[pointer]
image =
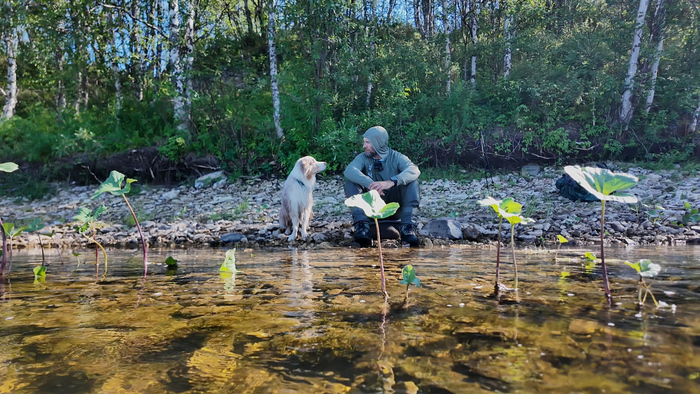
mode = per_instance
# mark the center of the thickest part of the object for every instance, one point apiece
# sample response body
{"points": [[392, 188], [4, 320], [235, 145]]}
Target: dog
{"points": [[297, 198]]}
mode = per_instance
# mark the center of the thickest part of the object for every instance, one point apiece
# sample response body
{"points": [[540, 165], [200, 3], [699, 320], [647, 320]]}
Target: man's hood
{"points": [[379, 139]]}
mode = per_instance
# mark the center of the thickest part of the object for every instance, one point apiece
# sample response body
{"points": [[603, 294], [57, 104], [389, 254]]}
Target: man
{"points": [[390, 173]]}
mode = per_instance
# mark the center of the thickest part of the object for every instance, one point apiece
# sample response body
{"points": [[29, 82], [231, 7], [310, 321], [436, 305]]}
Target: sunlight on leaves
{"points": [[8, 166], [373, 205], [645, 268], [602, 183], [562, 239], [229, 264]]}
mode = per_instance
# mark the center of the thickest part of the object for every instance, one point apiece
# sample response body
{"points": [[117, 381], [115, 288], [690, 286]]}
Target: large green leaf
{"points": [[602, 183], [113, 185], [229, 264], [12, 231], [8, 166], [373, 205], [515, 219], [645, 268], [409, 276], [503, 208], [85, 216]]}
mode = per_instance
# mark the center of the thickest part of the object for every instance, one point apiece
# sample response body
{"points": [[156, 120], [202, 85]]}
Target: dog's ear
{"points": [[307, 166]]}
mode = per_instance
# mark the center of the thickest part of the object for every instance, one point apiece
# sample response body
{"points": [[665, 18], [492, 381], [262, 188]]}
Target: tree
{"points": [[274, 84], [659, 25], [11, 40], [627, 109]]}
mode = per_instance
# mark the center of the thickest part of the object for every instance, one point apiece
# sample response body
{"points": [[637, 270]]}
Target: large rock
{"points": [[443, 228], [233, 237], [213, 178]]}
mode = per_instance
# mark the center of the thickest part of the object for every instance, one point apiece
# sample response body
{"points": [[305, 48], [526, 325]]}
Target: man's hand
{"points": [[381, 186]]}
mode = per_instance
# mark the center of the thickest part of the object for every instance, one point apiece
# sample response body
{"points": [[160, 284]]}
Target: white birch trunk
{"points": [[370, 86], [696, 118], [508, 35], [136, 37], [11, 44], [178, 77], [474, 29], [626, 109], [60, 56], [659, 17], [189, 58], [271, 23], [448, 49], [113, 59]]}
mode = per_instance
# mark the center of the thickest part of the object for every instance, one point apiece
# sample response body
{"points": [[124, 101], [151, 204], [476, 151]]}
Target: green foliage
{"points": [[408, 273], [229, 264], [602, 183], [691, 214], [86, 217], [645, 268], [171, 262], [8, 167], [373, 205], [113, 185]]}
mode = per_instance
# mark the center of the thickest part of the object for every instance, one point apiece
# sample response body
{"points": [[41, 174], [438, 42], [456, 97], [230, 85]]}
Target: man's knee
{"points": [[411, 194], [352, 189]]}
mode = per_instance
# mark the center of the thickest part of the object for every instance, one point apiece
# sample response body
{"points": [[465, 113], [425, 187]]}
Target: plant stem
{"points": [[512, 250], [143, 240], [381, 259], [602, 254], [557, 252], [104, 252], [4, 249], [43, 258], [498, 253]]}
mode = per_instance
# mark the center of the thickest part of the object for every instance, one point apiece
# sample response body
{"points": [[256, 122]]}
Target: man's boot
{"points": [[408, 234], [362, 233]]}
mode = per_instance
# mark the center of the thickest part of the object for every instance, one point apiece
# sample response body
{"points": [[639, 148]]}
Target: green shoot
{"points": [[228, 267], [113, 185], [409, 277], [171, 262], [645, 269], [602, 183], [374, 207], [39, 274], [5, 167], [561, 241], [86, 227]]}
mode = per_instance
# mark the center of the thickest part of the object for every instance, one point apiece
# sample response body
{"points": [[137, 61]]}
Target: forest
{"points": [[250, 86]]}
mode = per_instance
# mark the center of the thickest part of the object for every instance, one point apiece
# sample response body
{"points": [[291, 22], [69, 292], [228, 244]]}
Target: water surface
{"points": [[315, 322]]}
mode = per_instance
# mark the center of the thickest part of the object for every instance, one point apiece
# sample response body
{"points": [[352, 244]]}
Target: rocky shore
{"points": [[215, 212]]}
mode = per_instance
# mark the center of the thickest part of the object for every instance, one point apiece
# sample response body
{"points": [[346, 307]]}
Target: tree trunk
{"points": [[392, 4], [508, 35], [189, 60], [271, 22], [448, 49], [11, 44], [60, 56], [417, 19], [696, 118], [370, 78], [137, 55], [178, 77], [659, 21], [626, 109], [113, 53], [248, 17], [473, 27]]}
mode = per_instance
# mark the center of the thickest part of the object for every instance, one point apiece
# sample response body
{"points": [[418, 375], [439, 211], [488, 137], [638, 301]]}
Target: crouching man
{"points": [[392, 175]]}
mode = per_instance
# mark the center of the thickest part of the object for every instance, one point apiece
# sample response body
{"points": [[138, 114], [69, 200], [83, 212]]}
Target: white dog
{"points": [[297, 199]]}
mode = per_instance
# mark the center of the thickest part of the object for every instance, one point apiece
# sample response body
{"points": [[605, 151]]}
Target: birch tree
{"points": [[448, 49], [10, 93], [508, 36], [626, 109], [271, 25], [696, 118], [136, 51], [659, 27], [373, 22], [113, 16], [178, 77]]}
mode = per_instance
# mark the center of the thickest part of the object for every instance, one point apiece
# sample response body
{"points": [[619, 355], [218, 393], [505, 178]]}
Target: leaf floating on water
{"points": [[229, 264], [171, 262]]}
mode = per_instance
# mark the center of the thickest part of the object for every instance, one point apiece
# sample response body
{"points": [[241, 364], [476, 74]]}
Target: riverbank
{"points": [[217, 212]]}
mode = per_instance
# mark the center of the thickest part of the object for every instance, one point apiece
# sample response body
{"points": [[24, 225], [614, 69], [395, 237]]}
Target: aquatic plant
{"points": [[645, 269], [515, 218], [113, 185], [170, 262], [606, 186], [86, 220], [503, 208], [229, 264], [589, 260], [691, 214], [409, 277], [5, 167], [561, 240], [39, 273], [11, 231], [374, 207]]}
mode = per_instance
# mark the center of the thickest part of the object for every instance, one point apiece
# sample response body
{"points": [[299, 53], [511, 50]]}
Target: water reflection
{"points": [[315, 321]]}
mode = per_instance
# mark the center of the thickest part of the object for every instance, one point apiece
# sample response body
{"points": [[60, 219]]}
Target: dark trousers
{"points": [[408, 197]]}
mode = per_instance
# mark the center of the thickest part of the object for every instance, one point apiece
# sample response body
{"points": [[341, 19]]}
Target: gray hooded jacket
{"points": [[361, 172]]}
